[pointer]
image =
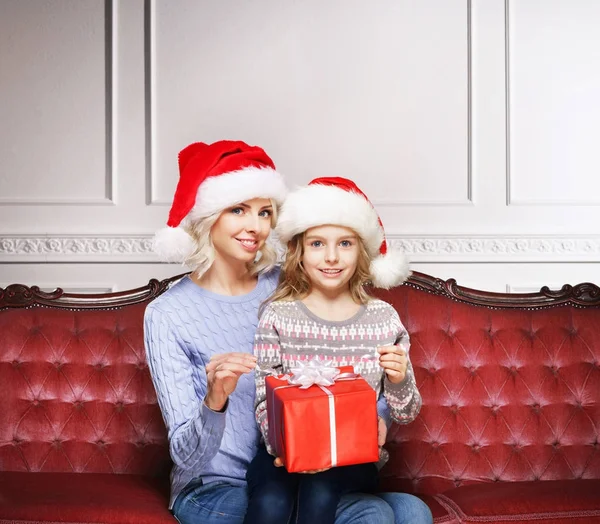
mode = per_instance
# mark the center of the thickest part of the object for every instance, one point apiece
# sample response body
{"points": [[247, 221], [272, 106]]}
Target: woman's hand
{"points": [[394, 362], [222, 375]]}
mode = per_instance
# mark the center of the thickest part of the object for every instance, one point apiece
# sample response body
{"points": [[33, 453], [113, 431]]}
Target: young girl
{"points": [[321, 310]]}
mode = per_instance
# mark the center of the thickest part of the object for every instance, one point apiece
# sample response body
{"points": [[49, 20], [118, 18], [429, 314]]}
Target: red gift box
{"points": [[322, 427]]}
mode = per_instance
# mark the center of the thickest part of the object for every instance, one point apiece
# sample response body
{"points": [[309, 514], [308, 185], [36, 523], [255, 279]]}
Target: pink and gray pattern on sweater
{"points": [[289, 332]]}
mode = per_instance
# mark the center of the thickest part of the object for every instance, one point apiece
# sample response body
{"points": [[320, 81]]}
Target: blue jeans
{"points": [[407, 509], [276, 496], [222, 503]]}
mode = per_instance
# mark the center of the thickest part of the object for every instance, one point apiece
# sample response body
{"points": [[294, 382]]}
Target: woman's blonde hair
{"points": [[203, 256], [294, 283]]}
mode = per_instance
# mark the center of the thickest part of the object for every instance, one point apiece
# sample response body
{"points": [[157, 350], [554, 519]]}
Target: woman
{"points": [[199, 334]]}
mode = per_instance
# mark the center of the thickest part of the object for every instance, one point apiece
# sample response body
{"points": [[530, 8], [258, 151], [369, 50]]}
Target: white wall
{"points": [[472, 126]]}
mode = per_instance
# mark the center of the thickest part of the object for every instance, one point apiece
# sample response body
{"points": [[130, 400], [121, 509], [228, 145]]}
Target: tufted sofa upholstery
{"points": [[81, 435], [508, 431], [510, 425]]}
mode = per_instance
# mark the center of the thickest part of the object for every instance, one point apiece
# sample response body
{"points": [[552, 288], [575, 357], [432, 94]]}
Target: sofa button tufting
{"points": [[119, 406], [16, 363], [16, 441]]}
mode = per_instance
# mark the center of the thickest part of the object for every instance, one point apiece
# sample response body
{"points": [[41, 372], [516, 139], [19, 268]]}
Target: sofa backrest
{"points": [[75, 390], [510, 386]]}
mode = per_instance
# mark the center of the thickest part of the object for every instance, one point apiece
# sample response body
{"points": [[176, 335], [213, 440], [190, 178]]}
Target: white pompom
{"points": [[173, 244], [390, 270]]}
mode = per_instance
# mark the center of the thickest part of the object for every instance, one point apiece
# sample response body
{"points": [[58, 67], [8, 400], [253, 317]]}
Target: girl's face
{"points": [[330, 257], [241, 230]]}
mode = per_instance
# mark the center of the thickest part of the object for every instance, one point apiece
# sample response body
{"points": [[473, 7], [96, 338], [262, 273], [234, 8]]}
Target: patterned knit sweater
{"points": [[288, 332]]}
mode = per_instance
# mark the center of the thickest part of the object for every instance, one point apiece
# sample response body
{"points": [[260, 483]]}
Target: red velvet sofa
{"points": [[509, 430]]}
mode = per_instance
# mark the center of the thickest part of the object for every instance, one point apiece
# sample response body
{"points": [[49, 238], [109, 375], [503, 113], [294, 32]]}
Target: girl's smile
{"points": [[330, 257]]}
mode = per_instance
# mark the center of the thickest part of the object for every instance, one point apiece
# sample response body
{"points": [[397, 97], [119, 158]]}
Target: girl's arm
{"points": [[195, 431], [403, 398], [267, 351]]}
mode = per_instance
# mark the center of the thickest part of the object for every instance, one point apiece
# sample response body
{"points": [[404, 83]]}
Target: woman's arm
{"points": [[194, 430], [267, 351], [383, 410]]}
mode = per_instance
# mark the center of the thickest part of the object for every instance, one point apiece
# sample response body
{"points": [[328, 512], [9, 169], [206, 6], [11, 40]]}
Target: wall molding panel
{"points": [[500, 248], [583, 199], [471, 143], [71, 248], [110, 97], [130, 248]]}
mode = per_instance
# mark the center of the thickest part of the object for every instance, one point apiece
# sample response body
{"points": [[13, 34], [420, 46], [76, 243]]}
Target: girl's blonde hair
{"points": [[294, 283], [203, 256]]}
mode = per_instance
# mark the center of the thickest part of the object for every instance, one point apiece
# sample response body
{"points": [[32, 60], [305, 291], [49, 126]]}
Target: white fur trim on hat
{"points": [[217, 193], [173, 244], [389, 270], [319, 205]]}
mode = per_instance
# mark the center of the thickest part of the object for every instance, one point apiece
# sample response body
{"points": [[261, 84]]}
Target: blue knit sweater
{"points": [[183, 328]]}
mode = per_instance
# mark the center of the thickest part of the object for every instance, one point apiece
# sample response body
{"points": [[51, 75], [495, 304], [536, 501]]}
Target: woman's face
{"points": [[240, 231]]}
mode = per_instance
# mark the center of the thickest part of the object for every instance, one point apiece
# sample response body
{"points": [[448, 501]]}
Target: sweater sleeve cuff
{"points": [[400, 386], [212, 417]]}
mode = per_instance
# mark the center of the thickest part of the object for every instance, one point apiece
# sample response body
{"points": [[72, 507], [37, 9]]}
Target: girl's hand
{"points": [[279, 463], [381, 432], [222, 375], [394, 362]]}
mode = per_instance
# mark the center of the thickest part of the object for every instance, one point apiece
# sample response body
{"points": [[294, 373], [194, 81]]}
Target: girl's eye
{"points": [[237, 210], [316, 243], [345, 243], [265, 213]]}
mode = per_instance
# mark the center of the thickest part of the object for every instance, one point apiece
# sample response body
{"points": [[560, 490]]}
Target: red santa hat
{"points": [[213, 177], [339, 201]]}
